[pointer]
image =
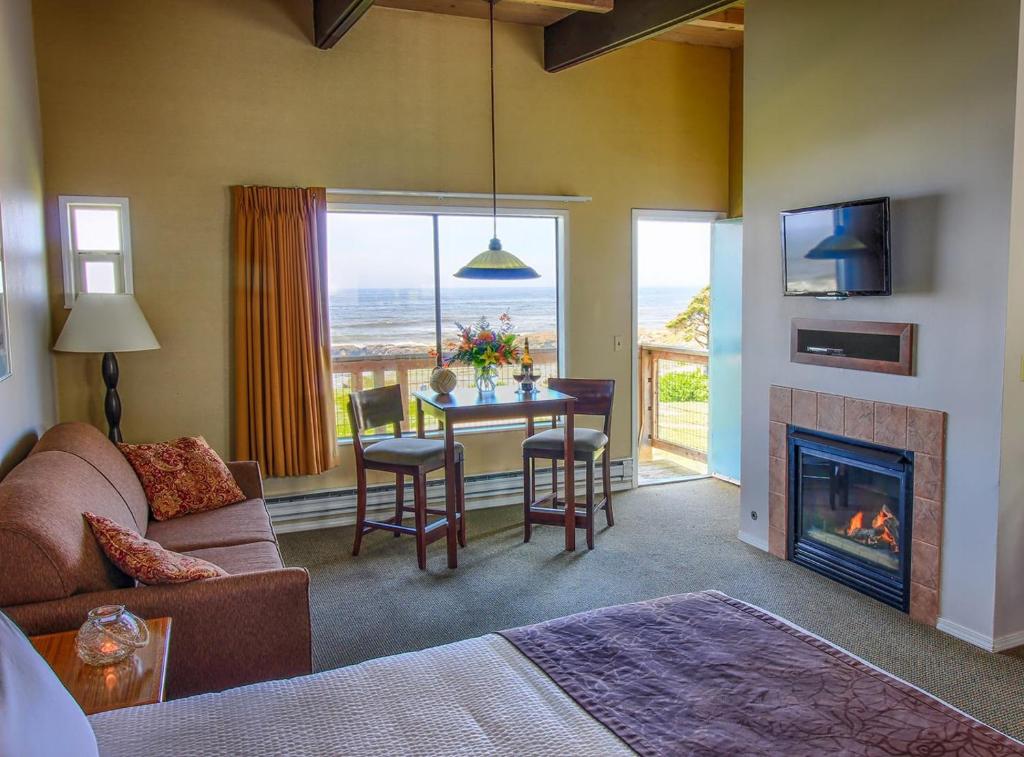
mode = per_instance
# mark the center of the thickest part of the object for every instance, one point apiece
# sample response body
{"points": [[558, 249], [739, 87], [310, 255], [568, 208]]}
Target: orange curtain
{"points": [[284, 399]]}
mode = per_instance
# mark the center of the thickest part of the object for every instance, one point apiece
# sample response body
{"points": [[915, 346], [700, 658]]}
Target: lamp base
{"points": [[112, 402]]}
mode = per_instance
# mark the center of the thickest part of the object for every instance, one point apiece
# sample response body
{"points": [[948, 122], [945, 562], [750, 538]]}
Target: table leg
{"points": [[450, 505], [420, 431], [570, 478]]}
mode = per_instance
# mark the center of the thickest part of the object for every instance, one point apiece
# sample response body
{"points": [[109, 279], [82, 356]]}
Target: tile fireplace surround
{"points": [[921, 431]]}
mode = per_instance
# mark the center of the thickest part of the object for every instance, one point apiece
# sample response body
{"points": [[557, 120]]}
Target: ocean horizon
{"points": [[405, 317]]}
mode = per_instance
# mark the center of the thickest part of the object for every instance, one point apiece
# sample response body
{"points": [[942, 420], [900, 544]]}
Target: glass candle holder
{"points": [[109, 635]]}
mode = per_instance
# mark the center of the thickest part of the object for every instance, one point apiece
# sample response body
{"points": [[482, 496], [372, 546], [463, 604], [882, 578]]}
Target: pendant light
{"points": [[840, 244], [494, 262]]}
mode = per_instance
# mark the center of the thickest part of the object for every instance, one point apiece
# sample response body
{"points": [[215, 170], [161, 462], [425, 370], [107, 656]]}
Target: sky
{"points": [[673, 254], [396, 251]]}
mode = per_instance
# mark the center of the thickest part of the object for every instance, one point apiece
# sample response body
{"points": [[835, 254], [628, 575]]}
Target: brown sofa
{"points": [[250, 626]]}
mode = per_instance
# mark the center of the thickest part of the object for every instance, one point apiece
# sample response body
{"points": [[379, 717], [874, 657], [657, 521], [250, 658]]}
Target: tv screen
{"points": [[837, 250]]}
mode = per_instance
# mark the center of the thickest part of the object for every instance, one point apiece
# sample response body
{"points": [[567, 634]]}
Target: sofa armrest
{"points": [[248, 477], [225, 632]]}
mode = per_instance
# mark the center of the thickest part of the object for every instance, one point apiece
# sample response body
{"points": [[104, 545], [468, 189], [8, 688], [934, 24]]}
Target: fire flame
{"points": [[856, 524], [884, 528]]}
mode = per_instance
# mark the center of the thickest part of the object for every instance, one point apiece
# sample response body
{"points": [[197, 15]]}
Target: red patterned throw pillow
{"points": [[144, 559], [181, 477]]}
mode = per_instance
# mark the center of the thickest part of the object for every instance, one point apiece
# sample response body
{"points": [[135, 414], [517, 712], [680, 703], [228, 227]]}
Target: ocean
{"points": [[374, 317]]}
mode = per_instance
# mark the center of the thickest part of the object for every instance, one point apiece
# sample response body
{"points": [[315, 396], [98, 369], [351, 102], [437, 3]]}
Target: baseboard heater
{"points": [[337, 507]]}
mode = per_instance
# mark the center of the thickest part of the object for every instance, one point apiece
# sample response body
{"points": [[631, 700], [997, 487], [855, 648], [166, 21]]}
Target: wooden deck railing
{"points": [[676, 425], [410, 372]]}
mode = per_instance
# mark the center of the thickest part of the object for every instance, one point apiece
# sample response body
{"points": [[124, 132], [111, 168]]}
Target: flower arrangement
{"points": [[485, 348], [481, 345]]}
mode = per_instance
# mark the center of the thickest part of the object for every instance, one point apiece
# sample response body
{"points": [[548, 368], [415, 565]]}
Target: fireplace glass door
{"points": [[850, 506], [851, 509]]}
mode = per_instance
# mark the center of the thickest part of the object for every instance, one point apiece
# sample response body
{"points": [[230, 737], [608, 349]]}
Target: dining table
{"points": [[469, 405]]}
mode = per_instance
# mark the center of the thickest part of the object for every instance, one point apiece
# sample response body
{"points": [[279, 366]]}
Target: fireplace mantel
{"points": [[916, 429]]}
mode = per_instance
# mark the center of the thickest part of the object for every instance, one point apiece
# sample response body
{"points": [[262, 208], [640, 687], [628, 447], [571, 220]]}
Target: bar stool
{"points": [[593, 397], [403, 456]]}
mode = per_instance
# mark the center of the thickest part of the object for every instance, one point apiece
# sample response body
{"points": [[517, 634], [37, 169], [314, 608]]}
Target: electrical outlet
{"points": [[618, 345]]}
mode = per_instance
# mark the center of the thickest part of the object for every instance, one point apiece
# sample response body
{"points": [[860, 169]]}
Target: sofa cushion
{"points": [[243, 558], [37, 714], [47, 550], [145, 560], [182, 476], [240, 523], [91, 445]]}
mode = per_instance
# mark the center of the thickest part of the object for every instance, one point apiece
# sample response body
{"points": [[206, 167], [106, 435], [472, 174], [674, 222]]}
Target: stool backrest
{"points": [[373, 408], [593, 396]]}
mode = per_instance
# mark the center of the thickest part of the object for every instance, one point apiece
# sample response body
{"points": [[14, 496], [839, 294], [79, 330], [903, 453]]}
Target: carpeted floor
{"points": [[667, 539]]}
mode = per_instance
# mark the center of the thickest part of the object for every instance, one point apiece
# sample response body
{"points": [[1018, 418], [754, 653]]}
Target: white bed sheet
{"points": [[479, 696]]}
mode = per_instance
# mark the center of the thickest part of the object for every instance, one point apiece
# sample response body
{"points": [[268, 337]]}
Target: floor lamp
{"points": [[107, 323]]}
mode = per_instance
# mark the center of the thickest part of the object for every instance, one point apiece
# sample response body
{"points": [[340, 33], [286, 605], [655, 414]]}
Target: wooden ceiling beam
{"points": [[586, 6], [584, 36], [333, 18], [731, 19]]}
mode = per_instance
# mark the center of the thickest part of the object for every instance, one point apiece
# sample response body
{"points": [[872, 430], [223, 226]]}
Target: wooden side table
{"points": [[137, 680]]}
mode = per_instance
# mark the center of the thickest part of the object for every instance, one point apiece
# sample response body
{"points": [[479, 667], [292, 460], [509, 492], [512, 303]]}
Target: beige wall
{"points": [[862, 98], [736, 133], [170, 103], [26, 398]]}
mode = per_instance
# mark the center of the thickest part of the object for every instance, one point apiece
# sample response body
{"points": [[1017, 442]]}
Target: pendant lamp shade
{"points": [[494, 262], [837, 246]]}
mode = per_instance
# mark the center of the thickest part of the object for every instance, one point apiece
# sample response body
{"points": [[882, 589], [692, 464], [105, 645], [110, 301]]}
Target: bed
{"points": [[693, 674]]}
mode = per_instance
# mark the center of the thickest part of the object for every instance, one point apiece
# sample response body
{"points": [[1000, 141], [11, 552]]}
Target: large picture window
{"points": [[394, 299]]}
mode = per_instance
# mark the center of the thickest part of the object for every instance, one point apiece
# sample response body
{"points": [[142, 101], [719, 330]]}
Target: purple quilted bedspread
{"points": [[705, 674]]}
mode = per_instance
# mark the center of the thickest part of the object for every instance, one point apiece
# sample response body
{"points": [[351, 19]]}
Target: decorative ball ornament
{"points": [[443, 380]]}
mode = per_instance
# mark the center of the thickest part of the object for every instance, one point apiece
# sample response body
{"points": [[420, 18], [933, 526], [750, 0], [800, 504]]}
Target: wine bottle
{"points": [[527, 360]]}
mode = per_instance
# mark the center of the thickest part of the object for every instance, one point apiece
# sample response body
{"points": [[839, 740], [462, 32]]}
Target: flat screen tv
{"points": [[837, 251]]}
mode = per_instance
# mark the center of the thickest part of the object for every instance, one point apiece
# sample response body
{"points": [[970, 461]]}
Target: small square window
{"points": [[97, 229], [96, 246], [100, 277]]}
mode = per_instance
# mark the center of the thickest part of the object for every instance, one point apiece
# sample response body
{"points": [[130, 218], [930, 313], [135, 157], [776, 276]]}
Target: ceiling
{"points": [[723, 28]]}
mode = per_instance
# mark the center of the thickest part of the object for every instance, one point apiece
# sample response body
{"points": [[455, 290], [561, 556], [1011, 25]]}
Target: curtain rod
{"points": [[457, 195]]}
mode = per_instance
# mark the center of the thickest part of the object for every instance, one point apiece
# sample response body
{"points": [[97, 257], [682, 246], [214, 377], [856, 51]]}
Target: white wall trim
{"points": [[442, 195], [753, 541], [1008, 641], [969, 635], [648, 214], [327, 509]]}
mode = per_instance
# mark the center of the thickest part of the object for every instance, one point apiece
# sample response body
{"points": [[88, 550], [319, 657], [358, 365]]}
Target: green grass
{"points": [[684, 423], [683, 386]]}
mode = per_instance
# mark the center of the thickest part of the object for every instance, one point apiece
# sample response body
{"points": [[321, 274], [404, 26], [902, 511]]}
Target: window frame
{"points": [[73, 260], [561, 217]]}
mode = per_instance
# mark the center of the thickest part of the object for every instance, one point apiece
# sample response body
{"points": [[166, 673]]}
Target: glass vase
{"points": [[109, 635], [486, 378]]}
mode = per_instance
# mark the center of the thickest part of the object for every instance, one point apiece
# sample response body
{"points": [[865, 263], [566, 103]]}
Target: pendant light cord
{"points": [[494, 149]]}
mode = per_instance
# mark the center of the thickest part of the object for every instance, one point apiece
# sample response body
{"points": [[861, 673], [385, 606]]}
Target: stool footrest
{"points": [[549, 516]]}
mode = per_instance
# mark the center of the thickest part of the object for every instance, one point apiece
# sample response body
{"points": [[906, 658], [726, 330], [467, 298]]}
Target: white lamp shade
{"points": [[106, 323]]}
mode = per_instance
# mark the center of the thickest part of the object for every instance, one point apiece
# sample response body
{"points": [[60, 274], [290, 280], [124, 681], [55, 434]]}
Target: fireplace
{"points": [[850, 508]]}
